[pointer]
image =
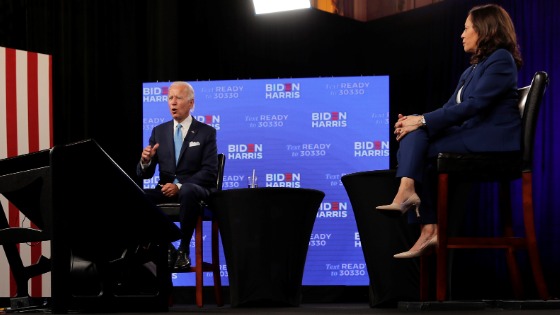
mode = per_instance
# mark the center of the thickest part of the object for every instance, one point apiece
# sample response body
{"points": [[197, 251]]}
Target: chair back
{"points": [[530, 98], [207, 213]]}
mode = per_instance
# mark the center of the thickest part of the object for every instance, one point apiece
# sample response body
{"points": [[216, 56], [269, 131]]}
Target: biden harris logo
{"points": [[154, 94], [251, 151], [212, 120], [371, 148], [292, 180], [333, 209], [328, 119], [279, 91]]}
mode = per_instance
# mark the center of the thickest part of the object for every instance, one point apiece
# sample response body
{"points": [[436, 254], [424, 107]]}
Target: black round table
{"points": [[265, 236], [383, 234]]}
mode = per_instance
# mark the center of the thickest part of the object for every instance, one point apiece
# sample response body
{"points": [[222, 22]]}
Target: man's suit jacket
{"points": [[488, 117], [198, 160]]}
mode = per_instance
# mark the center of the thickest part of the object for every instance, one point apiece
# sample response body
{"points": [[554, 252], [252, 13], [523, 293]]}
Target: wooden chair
{"points": [[201, 266], [493, 167]]}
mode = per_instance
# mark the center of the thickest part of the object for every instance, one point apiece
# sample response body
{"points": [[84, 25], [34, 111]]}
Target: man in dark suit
{"points": [[186, 152]]}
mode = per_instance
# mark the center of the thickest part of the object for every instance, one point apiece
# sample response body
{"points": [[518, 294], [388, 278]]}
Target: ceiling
{"points": [[367, 10]]}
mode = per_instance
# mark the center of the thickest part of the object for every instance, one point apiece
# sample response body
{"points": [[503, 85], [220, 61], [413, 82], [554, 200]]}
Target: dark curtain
{"points": [[538, 30], [103, 51]]}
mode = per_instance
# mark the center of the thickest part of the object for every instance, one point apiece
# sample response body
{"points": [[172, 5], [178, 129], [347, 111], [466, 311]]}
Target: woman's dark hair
{"points": [[495, 30]]}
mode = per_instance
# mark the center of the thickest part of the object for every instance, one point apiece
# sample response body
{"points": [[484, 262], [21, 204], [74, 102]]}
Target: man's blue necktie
{"points": [[178, 142]]}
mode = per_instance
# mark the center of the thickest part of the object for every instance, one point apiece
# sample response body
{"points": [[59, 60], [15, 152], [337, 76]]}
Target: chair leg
{"points": [[216, 264], [441, 249], [532, 249], [506, 214], [199, 259]]}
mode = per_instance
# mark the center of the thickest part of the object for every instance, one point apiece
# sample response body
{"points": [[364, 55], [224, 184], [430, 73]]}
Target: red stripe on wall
{"points": [[11, 103], [33, 102]]}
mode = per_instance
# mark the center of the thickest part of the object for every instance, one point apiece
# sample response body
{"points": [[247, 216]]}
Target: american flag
{"points": [[25, 126]]}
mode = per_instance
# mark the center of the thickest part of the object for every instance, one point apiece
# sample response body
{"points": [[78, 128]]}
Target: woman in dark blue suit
{"points": [[480, 116]]}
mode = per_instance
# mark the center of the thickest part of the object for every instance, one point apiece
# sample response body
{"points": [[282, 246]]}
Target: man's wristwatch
{"points": [[423, 121]]}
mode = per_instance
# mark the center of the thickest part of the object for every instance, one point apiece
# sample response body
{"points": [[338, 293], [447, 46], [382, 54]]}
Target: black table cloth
{"points": [[265, 236]]}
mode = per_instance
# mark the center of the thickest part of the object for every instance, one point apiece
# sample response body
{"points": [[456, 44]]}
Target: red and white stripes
{"points": [[25, 126]]}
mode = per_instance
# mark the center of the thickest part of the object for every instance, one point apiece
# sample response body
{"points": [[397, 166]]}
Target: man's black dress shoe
{"points": [[171, 256], [183, 261]]}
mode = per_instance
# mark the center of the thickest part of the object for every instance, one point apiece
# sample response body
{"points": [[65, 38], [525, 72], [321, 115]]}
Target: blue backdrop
{"points": [[296, 132]]}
